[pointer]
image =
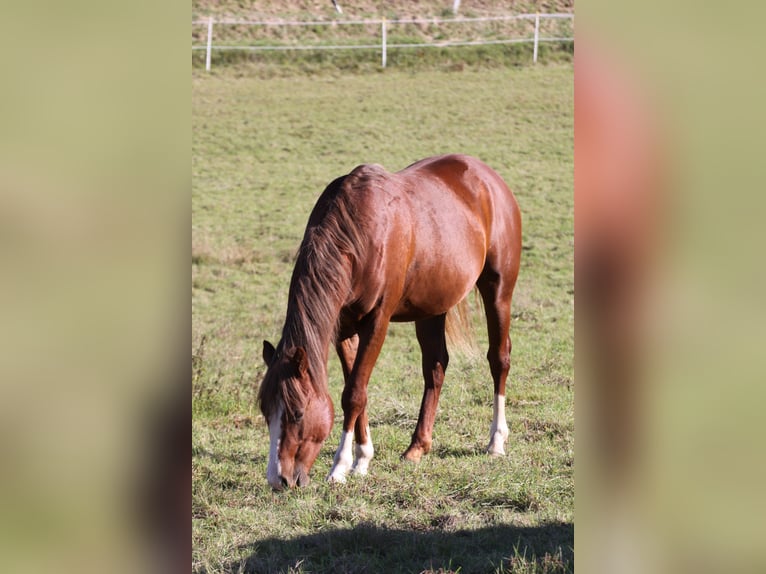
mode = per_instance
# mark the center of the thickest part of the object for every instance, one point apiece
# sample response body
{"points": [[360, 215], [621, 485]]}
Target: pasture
{"points": [[263, 149]]}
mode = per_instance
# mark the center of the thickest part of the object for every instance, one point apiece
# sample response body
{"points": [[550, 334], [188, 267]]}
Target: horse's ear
{"points": [[268, 352], [301, 361]]}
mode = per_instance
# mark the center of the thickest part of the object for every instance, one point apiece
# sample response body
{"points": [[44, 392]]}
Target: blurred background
{"points": [[669, 316], [94, 248]]}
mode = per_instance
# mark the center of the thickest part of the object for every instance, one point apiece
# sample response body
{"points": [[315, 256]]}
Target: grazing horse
{"points": [[381, 247]]}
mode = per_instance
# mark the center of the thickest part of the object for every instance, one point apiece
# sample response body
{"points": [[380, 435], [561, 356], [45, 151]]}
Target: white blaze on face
{"points": [[274, 470]]}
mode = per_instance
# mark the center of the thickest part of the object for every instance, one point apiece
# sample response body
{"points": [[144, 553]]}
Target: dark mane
{"points": [[332, 247]]}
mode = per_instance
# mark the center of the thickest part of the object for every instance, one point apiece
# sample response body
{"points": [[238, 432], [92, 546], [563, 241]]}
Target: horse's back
{"points": [[477, 187], [445, 178], [465, 176]]}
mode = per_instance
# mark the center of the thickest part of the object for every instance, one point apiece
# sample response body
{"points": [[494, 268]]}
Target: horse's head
{"points": [[299, 416]]}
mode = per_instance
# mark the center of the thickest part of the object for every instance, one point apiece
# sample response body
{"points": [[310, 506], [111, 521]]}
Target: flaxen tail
{"points": [[459, 327]]}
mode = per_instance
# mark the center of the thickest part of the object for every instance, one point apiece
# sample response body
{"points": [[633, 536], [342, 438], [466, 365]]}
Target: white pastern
{"points": [[343, 458], [274, 469], [364, 454], [498, 432]]}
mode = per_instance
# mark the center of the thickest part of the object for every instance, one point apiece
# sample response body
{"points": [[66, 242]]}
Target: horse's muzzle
{"points": [[301, 478]]}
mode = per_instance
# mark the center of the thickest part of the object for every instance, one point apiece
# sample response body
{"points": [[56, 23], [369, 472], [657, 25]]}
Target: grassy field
{"points": [[262, 152]]}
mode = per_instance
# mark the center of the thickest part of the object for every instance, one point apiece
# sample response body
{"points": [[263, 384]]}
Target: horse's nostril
{"points": [[284, 481]]}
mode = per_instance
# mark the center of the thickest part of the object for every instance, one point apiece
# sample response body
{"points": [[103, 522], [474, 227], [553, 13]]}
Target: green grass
{"points": [[313, 62], [262, 151]]}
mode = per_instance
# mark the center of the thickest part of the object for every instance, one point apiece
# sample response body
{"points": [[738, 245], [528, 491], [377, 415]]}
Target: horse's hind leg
{"points": [[496, 292], [430, 333]]}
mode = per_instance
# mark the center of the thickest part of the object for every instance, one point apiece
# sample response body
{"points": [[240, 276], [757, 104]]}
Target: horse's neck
{"points": [[320, 284], [311, 323]]}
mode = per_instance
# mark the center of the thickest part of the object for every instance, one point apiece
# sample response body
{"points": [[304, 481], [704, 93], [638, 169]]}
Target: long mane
{"points": [[333, 246]]}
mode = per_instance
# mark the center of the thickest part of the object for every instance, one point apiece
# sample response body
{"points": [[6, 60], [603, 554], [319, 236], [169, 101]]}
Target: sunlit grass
{"points": [[262, 151]]}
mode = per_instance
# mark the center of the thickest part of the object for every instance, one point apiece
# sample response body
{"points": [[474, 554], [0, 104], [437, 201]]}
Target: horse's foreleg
{"points": [[363, 451], [430, 333], [362, 454], [358, 355]]}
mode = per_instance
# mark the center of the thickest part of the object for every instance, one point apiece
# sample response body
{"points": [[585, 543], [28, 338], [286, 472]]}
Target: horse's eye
{"points": [[298, 417]]}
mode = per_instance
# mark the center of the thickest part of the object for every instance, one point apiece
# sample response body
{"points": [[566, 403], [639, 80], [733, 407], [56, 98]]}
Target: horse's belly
{"points": [[434, 291], [413, 309]]}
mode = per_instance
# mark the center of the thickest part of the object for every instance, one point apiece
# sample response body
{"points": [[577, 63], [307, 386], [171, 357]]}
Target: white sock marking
{"points": [[274, 469], [364, 454], [343, 458], [498, 432]]}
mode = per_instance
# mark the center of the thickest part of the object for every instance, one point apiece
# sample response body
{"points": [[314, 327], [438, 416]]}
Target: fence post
{"points": [[209, 42], [383, 44], [455, 7], [537, 37]]}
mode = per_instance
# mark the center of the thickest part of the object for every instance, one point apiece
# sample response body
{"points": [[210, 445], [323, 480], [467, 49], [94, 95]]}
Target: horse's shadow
{"points": [[369, 548]]}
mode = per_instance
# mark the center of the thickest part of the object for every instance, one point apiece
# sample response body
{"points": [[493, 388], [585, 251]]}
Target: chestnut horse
{"points": [[381, 247]]}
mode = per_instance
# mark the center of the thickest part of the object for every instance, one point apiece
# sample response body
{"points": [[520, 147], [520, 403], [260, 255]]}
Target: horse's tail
{"points": [[459, 327]]}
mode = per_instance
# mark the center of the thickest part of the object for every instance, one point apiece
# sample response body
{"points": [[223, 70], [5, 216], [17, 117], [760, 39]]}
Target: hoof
{"points": [[414, 454], [336, 478], [496, 446], [495, 451]]}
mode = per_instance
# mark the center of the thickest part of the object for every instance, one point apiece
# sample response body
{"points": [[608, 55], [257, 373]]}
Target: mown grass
{"points": [[328, 62], [262, 151]]}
